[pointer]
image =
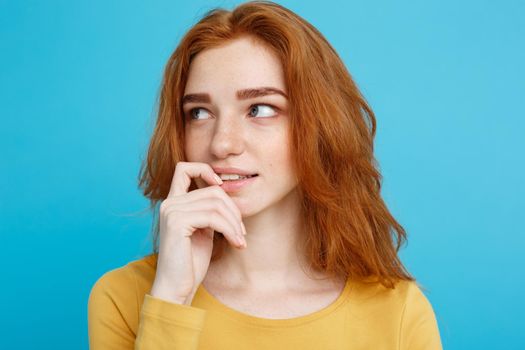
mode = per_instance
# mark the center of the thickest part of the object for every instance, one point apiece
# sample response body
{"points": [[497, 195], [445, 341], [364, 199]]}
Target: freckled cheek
{"points": [[194, 148]]}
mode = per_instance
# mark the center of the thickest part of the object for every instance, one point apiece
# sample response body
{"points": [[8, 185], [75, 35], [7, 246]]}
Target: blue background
{"points": [[79, 82]]}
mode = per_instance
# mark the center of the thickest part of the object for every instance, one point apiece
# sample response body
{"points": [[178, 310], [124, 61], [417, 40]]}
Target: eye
{"points": [[262, 111], [196, 113]]}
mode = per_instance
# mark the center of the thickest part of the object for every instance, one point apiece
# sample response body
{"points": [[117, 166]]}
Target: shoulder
{"points": [[405, 305], [122, 289], [404, 293], [135, 275], [416, 302], [403, 313], [418, 327]]}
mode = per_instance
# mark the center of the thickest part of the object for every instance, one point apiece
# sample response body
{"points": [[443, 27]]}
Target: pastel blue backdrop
{"points": [[78, 86]]}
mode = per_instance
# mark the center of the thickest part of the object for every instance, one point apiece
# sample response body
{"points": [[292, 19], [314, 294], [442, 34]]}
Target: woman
{"points": [[272, 233]]}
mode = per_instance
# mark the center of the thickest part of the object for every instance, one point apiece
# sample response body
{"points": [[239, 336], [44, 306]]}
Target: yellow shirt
{"points": [[122, 315]]}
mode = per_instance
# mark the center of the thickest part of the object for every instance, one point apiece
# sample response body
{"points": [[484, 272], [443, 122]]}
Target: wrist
{"points": [[167, 294]]}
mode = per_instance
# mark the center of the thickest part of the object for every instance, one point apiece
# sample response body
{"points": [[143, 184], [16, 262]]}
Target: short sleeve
{"points": [[419, 329]]}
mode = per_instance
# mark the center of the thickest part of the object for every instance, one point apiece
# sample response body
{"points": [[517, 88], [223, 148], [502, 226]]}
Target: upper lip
{"points": [[219, 170]]}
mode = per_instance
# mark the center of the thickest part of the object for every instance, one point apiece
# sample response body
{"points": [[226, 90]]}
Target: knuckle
{"points": [[166, 206], [213, 216], [226, 201], [216, 212], [180, 166]]}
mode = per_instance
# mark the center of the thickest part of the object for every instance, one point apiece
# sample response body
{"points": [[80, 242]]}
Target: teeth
{"points": [[232, 177]]}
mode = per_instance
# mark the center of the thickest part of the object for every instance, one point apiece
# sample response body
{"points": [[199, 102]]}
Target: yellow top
{"points": [[122, 315]]}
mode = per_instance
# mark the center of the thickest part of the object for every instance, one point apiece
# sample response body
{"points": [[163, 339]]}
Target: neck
{"points": [[274, 257]]}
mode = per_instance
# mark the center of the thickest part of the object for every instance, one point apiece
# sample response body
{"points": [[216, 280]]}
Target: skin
{"points": [[252, 134], [227, 134]]}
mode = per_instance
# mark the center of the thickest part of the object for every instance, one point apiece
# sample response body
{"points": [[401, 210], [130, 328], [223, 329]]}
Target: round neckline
{"points": [[274, 322]]}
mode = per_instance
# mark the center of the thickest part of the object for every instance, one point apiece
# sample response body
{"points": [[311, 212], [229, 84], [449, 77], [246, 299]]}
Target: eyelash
{"points": [[190, 112]]}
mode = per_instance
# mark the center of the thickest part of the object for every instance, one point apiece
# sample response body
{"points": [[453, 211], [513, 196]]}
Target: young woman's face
{"points": [[236, 116]]}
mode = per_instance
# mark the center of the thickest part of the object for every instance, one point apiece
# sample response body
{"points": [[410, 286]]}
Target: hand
{"points": [[187, 224]]}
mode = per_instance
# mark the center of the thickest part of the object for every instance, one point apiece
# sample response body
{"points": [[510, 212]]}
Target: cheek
{"points": [[193, 152], [279, 162], [192, 148], [286, 162]]}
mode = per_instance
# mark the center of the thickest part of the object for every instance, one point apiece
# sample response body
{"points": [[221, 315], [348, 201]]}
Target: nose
{"points": [[228, 137]]}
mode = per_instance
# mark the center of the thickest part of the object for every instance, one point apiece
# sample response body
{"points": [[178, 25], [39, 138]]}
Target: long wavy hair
{"points": [[348, 230]]}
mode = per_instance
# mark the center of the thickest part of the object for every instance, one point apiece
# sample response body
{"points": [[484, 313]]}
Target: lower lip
{"points": [[235, 185]]}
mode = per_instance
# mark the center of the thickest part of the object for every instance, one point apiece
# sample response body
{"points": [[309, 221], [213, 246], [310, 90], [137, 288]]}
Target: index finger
{"points": [[185, 171]]}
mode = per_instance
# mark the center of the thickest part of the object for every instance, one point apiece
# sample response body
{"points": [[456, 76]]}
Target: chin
{"points": [[247, 207], [243, 206]]}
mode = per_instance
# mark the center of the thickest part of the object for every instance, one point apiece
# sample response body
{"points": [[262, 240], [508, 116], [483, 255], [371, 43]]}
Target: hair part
{"points": [[348, 229]]}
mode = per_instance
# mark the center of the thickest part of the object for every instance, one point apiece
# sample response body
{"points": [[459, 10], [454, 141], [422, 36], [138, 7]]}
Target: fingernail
{"points": [[243, 228], [219, 180], [241, 241]]}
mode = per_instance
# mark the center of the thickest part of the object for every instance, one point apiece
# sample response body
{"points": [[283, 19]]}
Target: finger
{"points": [[185, 171], [215, 192], [215, 220], [214, 204]]}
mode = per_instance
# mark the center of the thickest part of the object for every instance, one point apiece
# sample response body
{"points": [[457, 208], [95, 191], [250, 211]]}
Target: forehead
{"points": [[238, 64]]}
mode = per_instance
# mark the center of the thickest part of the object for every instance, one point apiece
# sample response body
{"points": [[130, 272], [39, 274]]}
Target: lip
{"points": [[219, 170], [236, 185]]}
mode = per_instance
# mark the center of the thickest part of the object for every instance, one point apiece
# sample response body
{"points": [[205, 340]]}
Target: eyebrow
{"points": [[241, 95]]}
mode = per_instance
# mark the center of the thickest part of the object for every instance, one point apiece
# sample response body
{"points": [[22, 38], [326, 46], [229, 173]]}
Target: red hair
{"points": [[348, 230]]}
